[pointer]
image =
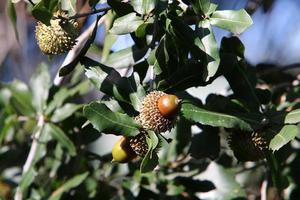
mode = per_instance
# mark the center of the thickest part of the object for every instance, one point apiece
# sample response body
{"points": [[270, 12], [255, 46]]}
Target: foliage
{"points": [[174, 49]]}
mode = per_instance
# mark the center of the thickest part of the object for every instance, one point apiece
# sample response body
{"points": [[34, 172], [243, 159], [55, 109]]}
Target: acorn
{"points": [[59, 37], [158, 111], [122, 152], [139, 144], [248, 146]]}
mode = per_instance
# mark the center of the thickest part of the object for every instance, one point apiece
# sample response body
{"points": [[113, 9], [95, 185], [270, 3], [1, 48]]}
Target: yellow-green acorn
{"points": [[59, 37], [122, 152], [157, 113], [248, 146]]}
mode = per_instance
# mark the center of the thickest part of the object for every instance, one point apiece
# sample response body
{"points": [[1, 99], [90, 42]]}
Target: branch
{"points": [[32, 154], [75, 50], [89, 13]]}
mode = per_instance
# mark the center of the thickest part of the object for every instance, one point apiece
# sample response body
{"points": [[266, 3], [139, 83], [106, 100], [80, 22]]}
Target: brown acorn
{"points": [[248, 146], [59, 37], [139, 144], [158, 115]]}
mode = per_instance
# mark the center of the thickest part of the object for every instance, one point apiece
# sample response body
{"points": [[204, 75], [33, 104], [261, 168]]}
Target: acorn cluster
{"points": [[248, 146], [58, 37], [158, 113]]}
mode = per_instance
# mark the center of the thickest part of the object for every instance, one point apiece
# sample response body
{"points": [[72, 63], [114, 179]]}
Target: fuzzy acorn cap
{"points": [[150, 116], [139, 144], [59, 37], [248, 146]]}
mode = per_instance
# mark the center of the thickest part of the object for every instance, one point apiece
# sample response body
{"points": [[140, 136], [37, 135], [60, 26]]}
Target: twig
{"points": [[30, 1], [75, 50], [89, 13], [32, 154]]}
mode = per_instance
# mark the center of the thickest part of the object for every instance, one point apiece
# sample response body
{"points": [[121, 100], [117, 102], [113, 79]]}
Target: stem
{"points": [[79, 15], [32, 154], [30, 1]]}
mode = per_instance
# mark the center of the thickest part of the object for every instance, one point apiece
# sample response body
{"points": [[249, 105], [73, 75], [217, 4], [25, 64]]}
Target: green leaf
{"points": [[43, 10], [67, 186], [61, 137], [143, 6], [109, 40], [215, 119], [64, 93], [125, 57], [126, 24], [105, 120], [27, 179], [210, 47], [11, 11], [69, 5], [109, 81], [150, 160], [21, 98], [40, 85], [292, 117], [64, 112], [235, 21], [201, 6], [286, 134]]}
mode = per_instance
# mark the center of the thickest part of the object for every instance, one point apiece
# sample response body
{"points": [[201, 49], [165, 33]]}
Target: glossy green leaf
{"points": [[210, 47], [292, 117], [215, 119], [126, 57], [108, 121], [143, 6], [235, 21], [126, 24], [201, 6], [58, 134], [150, 160], [64, 112], [109, 81], [43, 10], [286, 134], [40, 85], [67, 186]]}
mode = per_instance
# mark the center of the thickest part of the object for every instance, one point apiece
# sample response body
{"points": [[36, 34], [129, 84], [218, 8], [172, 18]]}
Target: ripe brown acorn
{"points": [[58, 37], [122, 152], [168, 105], [248, 146], [158, 111]]}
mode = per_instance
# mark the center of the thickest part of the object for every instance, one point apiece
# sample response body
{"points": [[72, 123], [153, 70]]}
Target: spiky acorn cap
{"points": [[248, 146], [59, 37], [150, 116], [139, 144]]}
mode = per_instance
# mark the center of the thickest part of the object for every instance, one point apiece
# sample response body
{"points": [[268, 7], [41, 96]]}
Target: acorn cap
{"points": [[139, 144], [59, 37], [150, 116], [248, 146]]}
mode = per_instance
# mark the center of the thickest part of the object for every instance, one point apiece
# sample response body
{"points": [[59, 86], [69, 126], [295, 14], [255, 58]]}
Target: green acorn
{"points": [[139, 144], [59, 37], [154, 113], [248, 146]]}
